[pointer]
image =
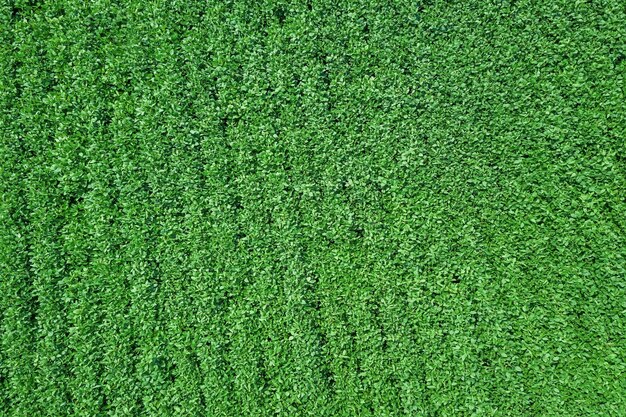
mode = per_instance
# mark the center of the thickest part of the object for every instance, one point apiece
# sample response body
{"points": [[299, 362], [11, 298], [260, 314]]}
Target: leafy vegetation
{"points": [[312, 208]]}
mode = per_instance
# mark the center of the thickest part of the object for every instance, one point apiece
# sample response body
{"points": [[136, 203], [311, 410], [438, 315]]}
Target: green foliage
{"points": [[312, 208]]}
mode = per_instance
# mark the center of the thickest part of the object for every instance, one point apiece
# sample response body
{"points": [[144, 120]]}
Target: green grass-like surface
{"points": [[312, 208]]}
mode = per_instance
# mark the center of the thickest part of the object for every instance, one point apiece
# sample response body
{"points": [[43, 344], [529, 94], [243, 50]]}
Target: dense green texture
{"points": [[313, 208]]}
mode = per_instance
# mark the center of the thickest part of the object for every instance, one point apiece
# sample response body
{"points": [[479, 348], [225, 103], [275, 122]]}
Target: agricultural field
{"points": [[312, 208]]}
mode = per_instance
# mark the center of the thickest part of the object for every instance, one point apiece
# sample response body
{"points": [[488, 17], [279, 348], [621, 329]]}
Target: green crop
{"points": [[312, 208]]}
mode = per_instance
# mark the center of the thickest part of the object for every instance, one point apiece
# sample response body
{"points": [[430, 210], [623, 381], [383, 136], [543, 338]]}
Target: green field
{"points": [[312, 208]]}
